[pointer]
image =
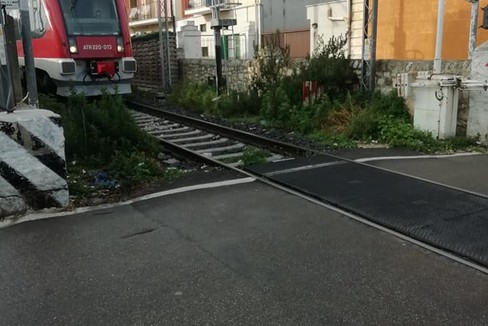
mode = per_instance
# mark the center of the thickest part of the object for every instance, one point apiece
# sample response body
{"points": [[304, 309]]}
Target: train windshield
{"points": [[90, 17]]}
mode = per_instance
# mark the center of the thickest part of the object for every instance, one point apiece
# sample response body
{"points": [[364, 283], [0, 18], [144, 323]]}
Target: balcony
{"points": [[144, 14], [202, 7]]}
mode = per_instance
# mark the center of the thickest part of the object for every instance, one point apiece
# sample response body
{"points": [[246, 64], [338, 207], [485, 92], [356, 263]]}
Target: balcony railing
{"points": [[202, 6], [146, 11], [143, 12]]}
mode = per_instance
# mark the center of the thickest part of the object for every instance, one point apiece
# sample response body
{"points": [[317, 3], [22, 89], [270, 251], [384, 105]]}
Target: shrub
{"points": [[272, 63], [276, 108], [399, 133], [389, 105], [330, 67], [101, 135], [238, 105], [195, 97]]}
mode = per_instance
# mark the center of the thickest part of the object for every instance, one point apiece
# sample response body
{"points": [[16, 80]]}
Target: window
{"points": [[203, 27], [231, 46], [205, 51], [90, 17], [38, 20]]}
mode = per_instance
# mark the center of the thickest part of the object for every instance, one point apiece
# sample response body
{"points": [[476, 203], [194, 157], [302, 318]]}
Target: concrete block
{"points": [[32, 162]]}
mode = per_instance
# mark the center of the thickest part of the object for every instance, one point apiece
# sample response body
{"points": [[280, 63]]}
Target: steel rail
{"points": [[239, 135]]}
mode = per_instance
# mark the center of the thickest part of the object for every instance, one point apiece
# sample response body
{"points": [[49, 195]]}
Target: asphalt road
{"points": [[239, 255], [465, 172]]}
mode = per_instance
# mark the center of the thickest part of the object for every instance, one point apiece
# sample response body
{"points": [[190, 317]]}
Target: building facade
{"points": [[407, 29], [196, 36], [143, 15]]}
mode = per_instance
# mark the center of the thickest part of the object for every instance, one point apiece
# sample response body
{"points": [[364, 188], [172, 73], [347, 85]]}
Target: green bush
{"points": [[389, 104], [95, 130], [134, 167], [399, 133], [195, 97], [100, 135], [237, 105], [364, 126], [330, 67], [276, 108], [271, 64]]}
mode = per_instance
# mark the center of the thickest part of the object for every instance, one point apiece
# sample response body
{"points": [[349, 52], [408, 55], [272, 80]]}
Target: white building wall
{"points": [[245, 14], [189, 38], [357, 29], [478, 100], [327, 20]]}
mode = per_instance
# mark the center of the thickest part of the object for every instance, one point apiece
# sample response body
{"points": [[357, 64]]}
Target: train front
{"points": [[99, 46]]}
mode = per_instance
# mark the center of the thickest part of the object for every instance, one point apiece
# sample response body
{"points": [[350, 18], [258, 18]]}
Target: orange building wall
{"points": [[407, 29]]}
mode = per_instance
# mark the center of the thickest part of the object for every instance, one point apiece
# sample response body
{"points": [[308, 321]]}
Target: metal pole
{"points": [[218, 46], [438, 43], [30, 69], [473, 27], [365, 46], [161, 48], [374, 32], [12, 55], [258, 22], [173, 19], [6, 99], [168, 53]]}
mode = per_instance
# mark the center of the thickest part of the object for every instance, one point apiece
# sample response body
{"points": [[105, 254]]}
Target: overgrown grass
{"points": [[101, 139], [253, 155], [339, 116]]}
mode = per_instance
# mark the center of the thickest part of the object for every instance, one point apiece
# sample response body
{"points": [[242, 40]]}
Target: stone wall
{"points": [[147, 53], [236, 72], [387, 70]]}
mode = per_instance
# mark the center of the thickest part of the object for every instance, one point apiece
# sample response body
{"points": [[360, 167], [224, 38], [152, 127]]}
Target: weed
{"points": [[398, 133], [333, 141], [101, 135], [253, 155], [272, 63]]}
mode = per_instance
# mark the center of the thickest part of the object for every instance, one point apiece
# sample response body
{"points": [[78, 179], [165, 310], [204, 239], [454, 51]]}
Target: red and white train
{"points": [[82, 45]]}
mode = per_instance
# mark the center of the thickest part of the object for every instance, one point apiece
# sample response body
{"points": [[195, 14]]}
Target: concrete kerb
{"points": [[33, 172]]}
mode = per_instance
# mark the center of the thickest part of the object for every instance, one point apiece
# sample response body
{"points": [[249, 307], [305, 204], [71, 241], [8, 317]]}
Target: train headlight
{"points": [[120, 44], [72, 46]]}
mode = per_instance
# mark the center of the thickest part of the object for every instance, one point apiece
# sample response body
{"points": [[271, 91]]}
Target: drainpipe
{"points": [[259, 27], [349, 27], [438, 43], [473, 27]]}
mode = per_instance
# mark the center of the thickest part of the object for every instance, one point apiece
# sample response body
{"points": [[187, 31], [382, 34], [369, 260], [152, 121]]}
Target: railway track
{"points": [[206, 141]]}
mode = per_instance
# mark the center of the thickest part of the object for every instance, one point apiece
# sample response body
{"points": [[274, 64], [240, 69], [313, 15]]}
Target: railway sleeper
{"points": [[239, 147], [203, 145], [196, 139], [179, 135]]}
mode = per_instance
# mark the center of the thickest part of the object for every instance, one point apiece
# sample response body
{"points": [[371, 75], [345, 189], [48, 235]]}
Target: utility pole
{"points": [[374, 33], [438, 40], [473, 27], [30, 69], [368, 56], [217, 27], [161, 48], [168, 53]]}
